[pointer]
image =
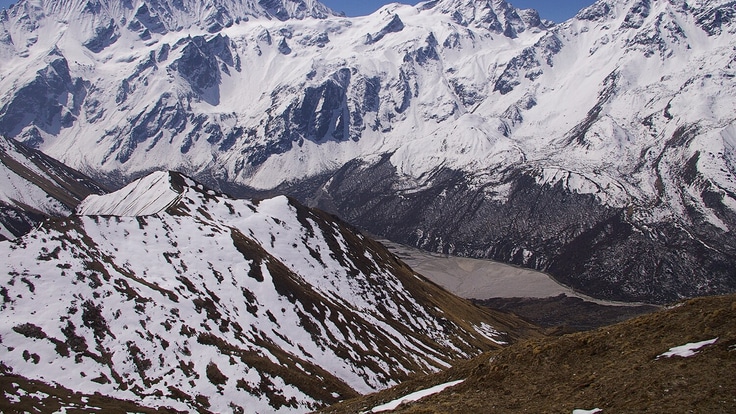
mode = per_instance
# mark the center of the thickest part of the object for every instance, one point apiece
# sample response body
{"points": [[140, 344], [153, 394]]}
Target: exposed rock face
{"points": [[46, 104], [569, 235]]}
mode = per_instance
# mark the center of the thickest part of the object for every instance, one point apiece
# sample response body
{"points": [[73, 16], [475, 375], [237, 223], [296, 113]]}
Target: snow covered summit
{"points": [[147, 196]]}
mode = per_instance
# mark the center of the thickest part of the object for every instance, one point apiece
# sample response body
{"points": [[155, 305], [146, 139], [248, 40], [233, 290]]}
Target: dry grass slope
{"points": [[614, 368]]}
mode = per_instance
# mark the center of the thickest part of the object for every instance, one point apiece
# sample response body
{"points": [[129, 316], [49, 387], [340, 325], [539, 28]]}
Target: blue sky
{"points": [[558, 10]]}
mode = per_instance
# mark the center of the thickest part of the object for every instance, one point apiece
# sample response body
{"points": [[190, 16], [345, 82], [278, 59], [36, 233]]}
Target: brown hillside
{"points": [[613, 368]]}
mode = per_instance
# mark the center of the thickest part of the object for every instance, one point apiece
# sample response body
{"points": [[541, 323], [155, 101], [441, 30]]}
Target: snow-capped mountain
{"points": [[34, 186], [168, 294], [600, 150]]}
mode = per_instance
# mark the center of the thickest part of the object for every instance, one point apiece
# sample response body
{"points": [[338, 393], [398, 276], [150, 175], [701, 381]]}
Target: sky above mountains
{"points": [[557, 11]]}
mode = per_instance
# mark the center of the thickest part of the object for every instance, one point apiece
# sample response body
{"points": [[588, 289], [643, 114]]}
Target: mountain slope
{"points": [[34, 186], [636, 366], [600, 150], [172, 295]]}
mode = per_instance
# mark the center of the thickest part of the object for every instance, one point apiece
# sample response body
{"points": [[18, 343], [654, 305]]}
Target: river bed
{"points": [[484, 279]]}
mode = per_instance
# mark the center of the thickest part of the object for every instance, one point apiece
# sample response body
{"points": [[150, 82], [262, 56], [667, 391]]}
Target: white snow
{"points": [[415, 396], [687, 350], [593, 411], [490, 333], [144, 197], [17, 190]]}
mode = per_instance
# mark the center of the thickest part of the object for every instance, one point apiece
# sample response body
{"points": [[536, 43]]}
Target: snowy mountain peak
{"points": [[497, 16], [635, 12], [296, 9], [147, 196], [628, 104]]}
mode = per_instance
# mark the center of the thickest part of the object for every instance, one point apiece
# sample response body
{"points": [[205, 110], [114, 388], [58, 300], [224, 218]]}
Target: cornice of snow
{"points": [[149, 195]]}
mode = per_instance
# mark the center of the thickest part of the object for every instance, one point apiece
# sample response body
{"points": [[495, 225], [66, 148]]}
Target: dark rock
{"points": [[167, 115], [591, 247], [428, 52], [713, 21], [199, 64], [284, 48], [394, 26], [151, 22], [104, 36], [528, 63], [599, 11], [49, 102], [17, 221], [636, 15]]}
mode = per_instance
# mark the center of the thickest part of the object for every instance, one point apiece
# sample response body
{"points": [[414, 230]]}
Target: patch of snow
{"points": [[415, 396], [593, 411], [687, 350], [16, 190], [489, 332], [13, 399], [159, 260]]}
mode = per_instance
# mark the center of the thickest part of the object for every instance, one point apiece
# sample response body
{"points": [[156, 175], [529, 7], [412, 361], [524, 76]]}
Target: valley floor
{"points": [[479, 279], [532, 295]]}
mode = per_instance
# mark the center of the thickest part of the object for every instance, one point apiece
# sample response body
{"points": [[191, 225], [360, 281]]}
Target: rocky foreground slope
{"points": [[678, 360], [166, 294]]}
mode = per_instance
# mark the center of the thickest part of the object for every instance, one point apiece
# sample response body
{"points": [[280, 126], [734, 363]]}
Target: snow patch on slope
{"points": [[240, 291], [18, 190], [687, 350], [415, 396]]}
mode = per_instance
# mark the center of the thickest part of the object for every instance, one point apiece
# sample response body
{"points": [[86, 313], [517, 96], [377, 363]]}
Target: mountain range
{"points": [[172, 173], [600, 150]]}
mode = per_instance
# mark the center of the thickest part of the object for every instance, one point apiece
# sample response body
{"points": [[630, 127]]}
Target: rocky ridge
{"points": [[180, 298]]}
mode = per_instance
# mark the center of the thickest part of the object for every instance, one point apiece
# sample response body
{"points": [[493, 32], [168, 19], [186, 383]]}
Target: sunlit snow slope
{"points": [[601, 150], [34, 186], [169, 294]]}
